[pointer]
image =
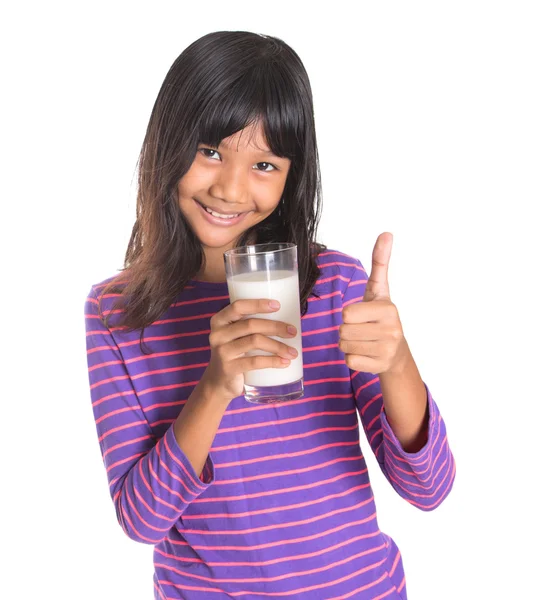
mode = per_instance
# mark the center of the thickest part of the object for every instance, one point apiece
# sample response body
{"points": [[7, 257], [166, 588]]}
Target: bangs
{"points": [[260, 95]]}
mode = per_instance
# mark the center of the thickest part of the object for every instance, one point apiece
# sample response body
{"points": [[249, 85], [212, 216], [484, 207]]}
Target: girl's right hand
{"points": [[232, 336]]}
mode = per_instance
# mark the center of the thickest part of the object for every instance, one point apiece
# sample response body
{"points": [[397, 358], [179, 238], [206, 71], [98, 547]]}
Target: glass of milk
{"points": [[269, 271]]}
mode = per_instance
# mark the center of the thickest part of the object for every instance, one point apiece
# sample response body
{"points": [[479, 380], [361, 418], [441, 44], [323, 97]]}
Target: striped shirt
{"points": [[283, 507]]}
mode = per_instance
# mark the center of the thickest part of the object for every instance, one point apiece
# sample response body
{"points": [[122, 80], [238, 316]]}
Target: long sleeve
{"points": [[423, 478], [151, 480]]}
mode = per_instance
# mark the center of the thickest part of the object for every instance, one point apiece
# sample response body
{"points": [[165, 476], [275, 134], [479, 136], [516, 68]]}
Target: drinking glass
{"points": [[269, 271]]}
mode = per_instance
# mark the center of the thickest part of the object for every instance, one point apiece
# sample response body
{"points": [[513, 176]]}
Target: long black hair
{"points": [[221, 83]]}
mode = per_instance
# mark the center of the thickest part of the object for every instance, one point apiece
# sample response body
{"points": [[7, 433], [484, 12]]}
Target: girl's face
{"points": [[241, 177]]}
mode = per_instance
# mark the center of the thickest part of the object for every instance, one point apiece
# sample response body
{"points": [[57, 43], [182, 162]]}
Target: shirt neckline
{"points": [[214, 285]]}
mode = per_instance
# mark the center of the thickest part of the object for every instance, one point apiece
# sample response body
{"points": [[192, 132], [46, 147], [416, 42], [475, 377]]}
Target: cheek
{"points": [[194, 179], [185, 198], [265, 208], [267, 205], [268, 198], [182, 196]]}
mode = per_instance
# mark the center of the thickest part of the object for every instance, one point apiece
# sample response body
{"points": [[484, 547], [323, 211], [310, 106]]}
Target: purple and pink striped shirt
{"points": [[284, 506]]}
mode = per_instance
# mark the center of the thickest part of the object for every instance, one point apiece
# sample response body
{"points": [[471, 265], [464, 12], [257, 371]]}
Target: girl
{"points": [[241, 500]]}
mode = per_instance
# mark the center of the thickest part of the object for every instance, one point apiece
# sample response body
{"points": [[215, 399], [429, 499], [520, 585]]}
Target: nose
{"points": [[231, 184]]}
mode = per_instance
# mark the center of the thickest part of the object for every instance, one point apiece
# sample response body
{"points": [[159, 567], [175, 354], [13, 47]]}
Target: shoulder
{"points": [[333, 262], [341, 274], [103, 294], [338, 272]]}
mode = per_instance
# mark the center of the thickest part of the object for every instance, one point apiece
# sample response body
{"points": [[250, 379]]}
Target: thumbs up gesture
{"points": [[371, 334]]}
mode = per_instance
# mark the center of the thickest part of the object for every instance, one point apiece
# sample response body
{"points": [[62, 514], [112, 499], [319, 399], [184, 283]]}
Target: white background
{"points": [[430, 125]]}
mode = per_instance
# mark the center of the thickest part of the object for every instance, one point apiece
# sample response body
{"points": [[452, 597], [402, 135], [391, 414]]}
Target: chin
{"points": [[218, 241]]}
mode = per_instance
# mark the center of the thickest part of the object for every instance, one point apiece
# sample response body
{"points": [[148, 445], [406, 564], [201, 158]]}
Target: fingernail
{"points": [[274, 304], [292, 330], [293, 351]]}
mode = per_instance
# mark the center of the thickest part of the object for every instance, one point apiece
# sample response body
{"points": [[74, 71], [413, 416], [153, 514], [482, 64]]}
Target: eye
{"points": [[209, 153], [204, 150], [266, 170]]}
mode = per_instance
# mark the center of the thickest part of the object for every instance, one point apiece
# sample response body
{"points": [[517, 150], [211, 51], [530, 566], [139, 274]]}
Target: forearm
{"points": [[197, 424], [405, 402], [157, 489], [160, 486]]}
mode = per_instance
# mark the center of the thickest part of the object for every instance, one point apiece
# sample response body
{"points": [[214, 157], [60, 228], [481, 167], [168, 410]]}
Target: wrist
{"points": [[211, 394], [403, 360]]}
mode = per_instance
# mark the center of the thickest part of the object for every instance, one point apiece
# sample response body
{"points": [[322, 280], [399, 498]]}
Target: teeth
{"points": [[215, 214]]}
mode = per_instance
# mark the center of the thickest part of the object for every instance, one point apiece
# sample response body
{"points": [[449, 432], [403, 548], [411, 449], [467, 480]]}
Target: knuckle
{"points": [[236, 308], [252, 325], [396, 334]]}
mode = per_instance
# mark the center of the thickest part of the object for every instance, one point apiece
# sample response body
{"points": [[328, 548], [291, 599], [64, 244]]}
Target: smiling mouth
{"points": [[218, 219], [218, 215]]}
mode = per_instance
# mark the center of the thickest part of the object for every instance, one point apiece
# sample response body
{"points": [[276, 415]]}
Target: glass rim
{"points": [[241, 250]]}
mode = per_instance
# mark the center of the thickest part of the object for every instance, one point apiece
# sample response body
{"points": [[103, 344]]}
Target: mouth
{"points": [[220, 219]]}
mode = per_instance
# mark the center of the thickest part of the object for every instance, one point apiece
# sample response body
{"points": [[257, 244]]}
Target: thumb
{"points": [[378, 285]]}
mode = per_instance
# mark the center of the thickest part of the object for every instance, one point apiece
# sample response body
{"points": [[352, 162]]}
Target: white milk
{"points": [[283, 287]]}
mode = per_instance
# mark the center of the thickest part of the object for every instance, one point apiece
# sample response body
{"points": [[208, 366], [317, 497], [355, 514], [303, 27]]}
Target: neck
{"points": [[211, 278], [213, 270]]}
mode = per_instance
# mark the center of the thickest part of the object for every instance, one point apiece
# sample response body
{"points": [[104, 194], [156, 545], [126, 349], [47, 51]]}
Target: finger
{"points": [[258, 342], [251, 326], [239, 309], [378, 285], [368, 349], [367, 332], [381, 309], [363, 363], [250, 363]]}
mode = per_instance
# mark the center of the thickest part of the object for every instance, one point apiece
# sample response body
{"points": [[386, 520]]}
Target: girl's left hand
{"points": [[371, 335]]}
